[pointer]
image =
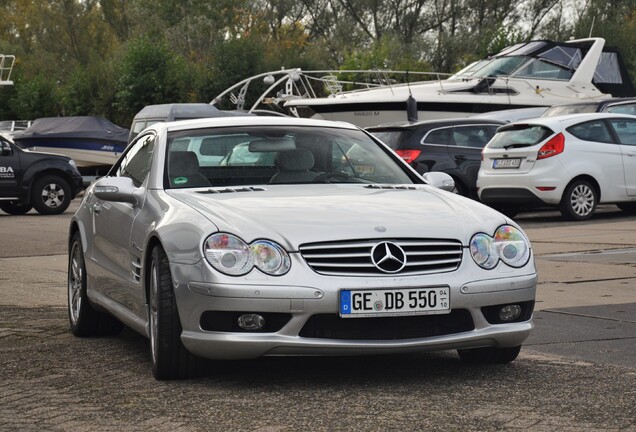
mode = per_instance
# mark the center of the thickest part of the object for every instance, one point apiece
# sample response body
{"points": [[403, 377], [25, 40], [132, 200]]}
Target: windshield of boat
{"points": [[520, 67], [257, 155], [535, 60]]}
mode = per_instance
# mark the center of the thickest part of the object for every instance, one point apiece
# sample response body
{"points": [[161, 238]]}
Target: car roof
{"points": [[429, 124], [571, 118], [249, 121], [599, 103]]}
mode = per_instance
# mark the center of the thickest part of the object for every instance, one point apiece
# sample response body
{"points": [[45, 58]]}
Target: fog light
{"points": [[251, 322], [510, 313]]}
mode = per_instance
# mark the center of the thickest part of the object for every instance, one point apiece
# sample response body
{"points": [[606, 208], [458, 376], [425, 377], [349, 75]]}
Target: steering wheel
{"points": [[333, 175]]}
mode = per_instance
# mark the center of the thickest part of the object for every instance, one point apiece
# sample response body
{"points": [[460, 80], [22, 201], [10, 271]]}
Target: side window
{"points": [[622, 109], [438, 136], [137, 160], [470, 136], [5, 148], [625, 129], [591, 131]]}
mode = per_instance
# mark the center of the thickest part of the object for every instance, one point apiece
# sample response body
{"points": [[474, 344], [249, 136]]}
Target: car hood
{"points": [[297, 214]]}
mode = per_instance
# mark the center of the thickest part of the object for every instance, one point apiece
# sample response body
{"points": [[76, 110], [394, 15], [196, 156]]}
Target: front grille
{"points": [[353, 258], [331, 326]]}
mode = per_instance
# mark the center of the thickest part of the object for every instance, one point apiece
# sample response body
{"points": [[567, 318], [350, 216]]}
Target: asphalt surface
{"points": [[577, 371]]}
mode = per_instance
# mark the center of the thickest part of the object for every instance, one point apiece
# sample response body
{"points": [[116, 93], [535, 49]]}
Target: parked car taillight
{"points": [[409, 155], [553, 147]]}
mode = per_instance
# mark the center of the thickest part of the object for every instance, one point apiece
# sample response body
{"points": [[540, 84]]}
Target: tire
{"points": [[170, 358], [83, 318], [627, 207], [579, 201], [489, 355], [10, 207], [50, 195], [511, 212], [459, 188]]}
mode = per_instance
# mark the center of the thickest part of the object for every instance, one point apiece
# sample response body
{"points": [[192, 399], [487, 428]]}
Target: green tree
{"points": [[150, 73]]}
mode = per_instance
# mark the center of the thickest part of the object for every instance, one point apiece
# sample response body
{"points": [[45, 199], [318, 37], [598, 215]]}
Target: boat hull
{"points": [[85, 153]]}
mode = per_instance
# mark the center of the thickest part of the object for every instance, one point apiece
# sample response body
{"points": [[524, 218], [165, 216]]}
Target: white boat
{"points": [[6, 67], [8, 128], [535, 74]]}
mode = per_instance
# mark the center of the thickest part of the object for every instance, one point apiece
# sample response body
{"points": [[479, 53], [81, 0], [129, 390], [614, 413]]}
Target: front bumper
{"points": [[298, 304]]}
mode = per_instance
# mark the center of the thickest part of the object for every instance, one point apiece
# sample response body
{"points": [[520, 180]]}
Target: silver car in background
{"points": [[293, 248]]}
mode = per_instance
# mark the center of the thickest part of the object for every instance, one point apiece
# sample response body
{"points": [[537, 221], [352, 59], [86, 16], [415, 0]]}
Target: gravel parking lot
{"points": [[577, 372]]}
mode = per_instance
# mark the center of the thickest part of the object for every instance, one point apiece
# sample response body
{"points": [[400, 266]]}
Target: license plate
{"points": [[506, 163], [410, 301]]}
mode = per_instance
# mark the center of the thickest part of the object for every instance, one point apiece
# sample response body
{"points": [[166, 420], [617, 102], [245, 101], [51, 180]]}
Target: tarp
{"points": [[74, 127]]}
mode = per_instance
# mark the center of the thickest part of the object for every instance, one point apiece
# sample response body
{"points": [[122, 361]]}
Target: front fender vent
{"points": [[233, 190], [391, 187]]}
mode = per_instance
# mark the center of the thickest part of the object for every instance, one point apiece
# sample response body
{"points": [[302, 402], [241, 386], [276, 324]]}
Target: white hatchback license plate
{"points": [[506, 163], [410, 301]]}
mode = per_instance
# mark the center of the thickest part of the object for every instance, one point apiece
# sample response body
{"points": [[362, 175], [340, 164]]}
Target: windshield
{"points": [[500, 66], [242, 156], [519, 136], [533, 60]]}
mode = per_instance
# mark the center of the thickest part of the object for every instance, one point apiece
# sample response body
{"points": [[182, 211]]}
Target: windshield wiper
{"points": [[509, 146]]}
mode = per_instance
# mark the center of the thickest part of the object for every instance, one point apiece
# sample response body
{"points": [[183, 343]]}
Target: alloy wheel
{"points": [[53, 195], [582, 200], [75, 283]]}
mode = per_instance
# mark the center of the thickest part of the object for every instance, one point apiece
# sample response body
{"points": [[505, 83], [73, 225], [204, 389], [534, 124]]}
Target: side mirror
{"points": [[439, 180], [118, 189], [6, 149]]}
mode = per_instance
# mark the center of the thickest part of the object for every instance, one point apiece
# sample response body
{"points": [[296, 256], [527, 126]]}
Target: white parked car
{"points": [[572, 162], [294, 248]]}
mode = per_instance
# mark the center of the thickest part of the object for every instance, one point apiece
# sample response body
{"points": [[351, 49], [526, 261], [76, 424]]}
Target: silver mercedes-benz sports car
{"points": [[241, 237]]}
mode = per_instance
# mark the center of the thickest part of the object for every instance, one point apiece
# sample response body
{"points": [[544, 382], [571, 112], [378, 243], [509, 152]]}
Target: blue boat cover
{"points": [[97, 128]]}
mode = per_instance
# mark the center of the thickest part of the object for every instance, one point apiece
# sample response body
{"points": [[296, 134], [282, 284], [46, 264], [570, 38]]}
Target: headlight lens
{"points": [[231, 255], [270, 258], [228, 254], [508, 245]]}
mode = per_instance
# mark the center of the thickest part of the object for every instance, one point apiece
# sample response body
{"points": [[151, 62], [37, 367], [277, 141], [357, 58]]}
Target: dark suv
{"points": [[452, 146], [612, 105], [46, 182]]}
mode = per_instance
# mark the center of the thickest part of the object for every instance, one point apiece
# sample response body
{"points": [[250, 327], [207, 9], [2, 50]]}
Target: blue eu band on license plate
{"points": [[404, 301]]}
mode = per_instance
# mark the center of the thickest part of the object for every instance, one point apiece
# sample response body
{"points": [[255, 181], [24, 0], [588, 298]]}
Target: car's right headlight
{"points": [[508, 245], [232, 256], [228, 254]]}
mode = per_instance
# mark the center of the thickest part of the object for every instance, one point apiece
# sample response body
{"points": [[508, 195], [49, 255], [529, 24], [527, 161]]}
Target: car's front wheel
{"points": [[51, 195], [83, 318], [170, 358], [489, 355], [12, 208], [579, 201]]}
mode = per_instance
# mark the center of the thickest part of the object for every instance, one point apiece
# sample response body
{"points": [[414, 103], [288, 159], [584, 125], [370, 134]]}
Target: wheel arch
{"points": [[31, 177], [153, 242], [595, 184]]}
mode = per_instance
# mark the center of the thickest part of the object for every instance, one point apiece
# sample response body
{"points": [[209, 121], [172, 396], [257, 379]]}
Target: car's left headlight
{"points": [[508, 245], [231, 255]]}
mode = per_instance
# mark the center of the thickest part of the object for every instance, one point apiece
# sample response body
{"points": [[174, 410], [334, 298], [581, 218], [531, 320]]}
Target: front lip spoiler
{"points": [[231, 346]]}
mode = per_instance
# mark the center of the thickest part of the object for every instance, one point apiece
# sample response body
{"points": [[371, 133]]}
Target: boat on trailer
{"points": [[539, 73], [94, 143]]}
